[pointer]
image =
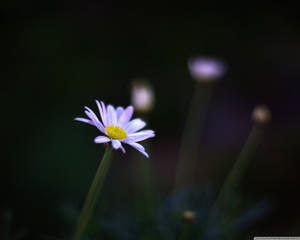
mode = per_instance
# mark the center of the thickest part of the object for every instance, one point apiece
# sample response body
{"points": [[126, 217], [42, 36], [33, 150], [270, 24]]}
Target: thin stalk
{"points": [[93, 194], [7, 220], [185, 231], [189, 147], [144, 184], [234, 178], [143, 181]]}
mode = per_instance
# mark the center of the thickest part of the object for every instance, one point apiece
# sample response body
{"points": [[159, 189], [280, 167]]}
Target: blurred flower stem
{"points": [[93, 194], [7, 222], [234, 178], [185, 231], [189, 148], [238, 170], [142, 175], [143, 98], [188, 217]]}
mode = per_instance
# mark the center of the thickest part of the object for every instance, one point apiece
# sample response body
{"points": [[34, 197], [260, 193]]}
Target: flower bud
{"points": [[189, 215], [261, 114]]}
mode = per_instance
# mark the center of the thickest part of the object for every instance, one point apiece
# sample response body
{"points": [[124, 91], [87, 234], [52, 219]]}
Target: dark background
{"points": [[60, 56]]}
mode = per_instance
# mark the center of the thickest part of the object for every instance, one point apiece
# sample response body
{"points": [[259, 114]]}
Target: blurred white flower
{"points": [[206, 69], [142, 96]]}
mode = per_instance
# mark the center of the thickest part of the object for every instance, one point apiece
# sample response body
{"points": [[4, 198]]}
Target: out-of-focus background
{"points": [[61, 56]]}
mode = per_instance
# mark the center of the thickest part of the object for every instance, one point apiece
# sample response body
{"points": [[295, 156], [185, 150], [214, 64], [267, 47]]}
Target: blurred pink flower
{"points": [[206, 69]]}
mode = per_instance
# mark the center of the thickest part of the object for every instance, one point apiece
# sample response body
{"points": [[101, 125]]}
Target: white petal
{"points": [[116, 144], [111, 116], [85, 120], [101, 139], [102, 112], [140, 136], [119, 112], [134, 125], [95, 120], [122, 148], [92, 113], [126, 116], [137, 146], [144, 153], [134, 144]]}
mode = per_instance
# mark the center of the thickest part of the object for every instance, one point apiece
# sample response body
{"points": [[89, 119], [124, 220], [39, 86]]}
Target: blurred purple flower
{"points": [[117, 127], [206, 69]]}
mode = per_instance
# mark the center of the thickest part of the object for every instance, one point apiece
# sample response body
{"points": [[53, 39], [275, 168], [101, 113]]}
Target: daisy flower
{"points": [[117, 128]]}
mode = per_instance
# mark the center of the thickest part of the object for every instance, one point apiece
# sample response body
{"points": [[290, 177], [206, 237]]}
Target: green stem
{"points": [[145, 195], [185, 231], [93, 194], [143, 182], [241, 164], [234, 177], [189, 147]]}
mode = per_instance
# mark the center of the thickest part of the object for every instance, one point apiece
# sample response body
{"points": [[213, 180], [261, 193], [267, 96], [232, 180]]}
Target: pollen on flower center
{"points": [[116, 132]]}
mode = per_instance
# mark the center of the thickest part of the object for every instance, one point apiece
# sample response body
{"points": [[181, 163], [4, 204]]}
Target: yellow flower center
{"points": [[116, 132]]}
